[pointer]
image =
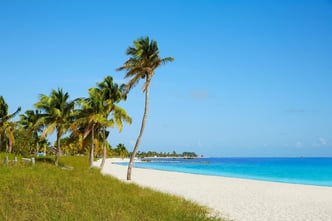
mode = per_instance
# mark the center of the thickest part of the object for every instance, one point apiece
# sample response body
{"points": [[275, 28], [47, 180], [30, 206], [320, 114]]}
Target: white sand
{"points": [[237, 199]]}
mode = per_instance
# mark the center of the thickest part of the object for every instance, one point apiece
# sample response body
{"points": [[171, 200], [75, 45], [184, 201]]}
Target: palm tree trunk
{"points": [[10, 145], [57, 154], [0, 140], [37, 147], [104, 150], [132, 157], [92, 149]]}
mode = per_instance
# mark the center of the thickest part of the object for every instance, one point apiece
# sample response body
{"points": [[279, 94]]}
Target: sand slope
{"points": [[237, 199]]}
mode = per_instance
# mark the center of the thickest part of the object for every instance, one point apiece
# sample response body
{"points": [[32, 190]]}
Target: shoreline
{"points": [[235, 198]]}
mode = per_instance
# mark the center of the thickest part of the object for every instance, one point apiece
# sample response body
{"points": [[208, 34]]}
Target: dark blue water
{"points": [[310, 171]]}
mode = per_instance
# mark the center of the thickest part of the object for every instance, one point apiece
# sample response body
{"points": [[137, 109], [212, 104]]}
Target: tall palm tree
{"points": [[56, 114], [144, 60], [96, 109], [6, 126], [112, 94], [92, 116]]}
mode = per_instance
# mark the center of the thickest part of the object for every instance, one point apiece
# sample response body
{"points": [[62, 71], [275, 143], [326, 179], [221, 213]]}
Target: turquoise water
{"points": [[310, 171]]}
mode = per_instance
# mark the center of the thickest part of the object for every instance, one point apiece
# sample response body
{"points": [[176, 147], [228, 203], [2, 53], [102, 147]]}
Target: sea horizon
{"points": [[243, 157]]}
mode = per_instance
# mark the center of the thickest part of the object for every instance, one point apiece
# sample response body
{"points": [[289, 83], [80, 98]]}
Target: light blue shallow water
{"points": [[310, 171]]}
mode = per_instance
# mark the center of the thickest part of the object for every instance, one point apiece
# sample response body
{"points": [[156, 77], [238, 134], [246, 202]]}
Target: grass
{"points": [[45, 192]]}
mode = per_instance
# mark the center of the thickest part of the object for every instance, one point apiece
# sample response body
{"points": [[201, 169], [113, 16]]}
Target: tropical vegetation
{"points": [[81, 125], [121, 151], [95, 112], [7, 126], [56, 114]]}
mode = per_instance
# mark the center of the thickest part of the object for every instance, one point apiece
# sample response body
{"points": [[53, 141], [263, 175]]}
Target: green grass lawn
{"points": [[45, 192]]}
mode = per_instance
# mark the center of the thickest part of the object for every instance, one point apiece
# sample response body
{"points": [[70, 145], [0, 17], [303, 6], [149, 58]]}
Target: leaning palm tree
{"points": [[144, 60], [6, 126], [56, 114]]}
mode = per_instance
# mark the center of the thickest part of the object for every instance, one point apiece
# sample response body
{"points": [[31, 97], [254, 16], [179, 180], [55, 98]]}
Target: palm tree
{"points": [[121, 150], [96, 109], [30, 122], [6, 126], [111, 91], [91, 116], [112, 94], [56, 114], [144, 60]]}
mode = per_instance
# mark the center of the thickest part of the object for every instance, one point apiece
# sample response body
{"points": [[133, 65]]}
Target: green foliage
{"points": [[143, 154], [94, 116], [25, 143], [56, 114], [45, 192], [7, 127], [144, 59], [120, 151]]}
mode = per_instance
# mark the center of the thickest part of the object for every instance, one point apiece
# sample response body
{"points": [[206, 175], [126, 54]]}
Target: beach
{"points": [[233, 198]]}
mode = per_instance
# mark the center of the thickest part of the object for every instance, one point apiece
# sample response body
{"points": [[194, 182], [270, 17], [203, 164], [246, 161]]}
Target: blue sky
{"points": [[250, 78]]}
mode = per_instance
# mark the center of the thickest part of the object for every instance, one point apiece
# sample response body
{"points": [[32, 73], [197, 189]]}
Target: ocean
{"points": [[308, 171]]}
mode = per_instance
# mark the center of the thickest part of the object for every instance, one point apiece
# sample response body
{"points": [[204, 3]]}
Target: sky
{"points": [[250, 78]]}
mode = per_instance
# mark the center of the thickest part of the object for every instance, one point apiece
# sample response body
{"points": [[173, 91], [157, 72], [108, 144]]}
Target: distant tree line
{"points": [[142, 154]]}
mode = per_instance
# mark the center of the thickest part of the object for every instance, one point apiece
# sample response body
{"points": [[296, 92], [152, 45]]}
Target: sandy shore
{"points": [[237, 199]]}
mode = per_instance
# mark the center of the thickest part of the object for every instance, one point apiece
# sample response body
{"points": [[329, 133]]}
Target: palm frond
{"points": [[49, 129], [14, 114], [144, 59]]}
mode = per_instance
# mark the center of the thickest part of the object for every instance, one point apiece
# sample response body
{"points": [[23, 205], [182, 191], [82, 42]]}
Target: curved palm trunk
{"points": [[104, 150], [92, 149], [132, 157]]}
